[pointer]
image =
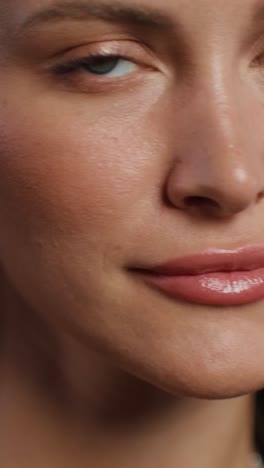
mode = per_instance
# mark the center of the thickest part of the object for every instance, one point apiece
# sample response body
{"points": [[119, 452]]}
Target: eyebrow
{"points": [[113, 11]]}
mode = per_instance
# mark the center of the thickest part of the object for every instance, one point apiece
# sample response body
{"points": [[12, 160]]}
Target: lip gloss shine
{"points": [[214, 277]]}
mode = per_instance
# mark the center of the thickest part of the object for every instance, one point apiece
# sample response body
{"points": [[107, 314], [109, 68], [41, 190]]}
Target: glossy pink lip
{"points": [[214, 277]]}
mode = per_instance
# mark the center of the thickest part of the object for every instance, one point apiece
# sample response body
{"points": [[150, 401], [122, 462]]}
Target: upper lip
{"points": [[212, 260]]}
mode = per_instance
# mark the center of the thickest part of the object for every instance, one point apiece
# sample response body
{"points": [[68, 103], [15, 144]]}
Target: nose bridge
{"points": [[220, 160], [217, 122], [214, 93]]}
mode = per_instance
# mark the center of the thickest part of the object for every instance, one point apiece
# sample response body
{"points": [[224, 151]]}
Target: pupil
{"points": [[102, 65]]}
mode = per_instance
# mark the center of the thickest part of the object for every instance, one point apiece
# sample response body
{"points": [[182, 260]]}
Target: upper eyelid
{"points": [[128, 50]]}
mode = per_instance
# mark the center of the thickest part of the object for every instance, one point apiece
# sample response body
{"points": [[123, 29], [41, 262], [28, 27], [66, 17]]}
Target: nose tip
{"points": [[222, 195], [219, 166], [216, 206]]}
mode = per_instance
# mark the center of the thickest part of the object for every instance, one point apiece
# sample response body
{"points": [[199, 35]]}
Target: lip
{"points": [[213, 277]]}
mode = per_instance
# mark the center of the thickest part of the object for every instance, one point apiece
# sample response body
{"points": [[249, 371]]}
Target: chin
{"points": [[215, 386], [227, 363], [210, 383]]}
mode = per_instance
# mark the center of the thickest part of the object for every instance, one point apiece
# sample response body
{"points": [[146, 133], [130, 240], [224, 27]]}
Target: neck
{"points": [[79, 410]]}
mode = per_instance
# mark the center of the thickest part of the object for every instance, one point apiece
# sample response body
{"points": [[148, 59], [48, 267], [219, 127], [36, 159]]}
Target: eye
{"points": [[111, 66]]}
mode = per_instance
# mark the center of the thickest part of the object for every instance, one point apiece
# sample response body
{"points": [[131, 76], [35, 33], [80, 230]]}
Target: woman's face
{"points": [[111, 165]]}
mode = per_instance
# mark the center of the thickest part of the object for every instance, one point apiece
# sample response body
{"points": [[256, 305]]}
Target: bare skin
{"points": [[102, 172], [63, 406]]}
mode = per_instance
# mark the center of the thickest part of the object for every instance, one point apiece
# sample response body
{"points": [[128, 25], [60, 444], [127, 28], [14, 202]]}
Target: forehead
{"points": [[194, 14], [25, 7]]}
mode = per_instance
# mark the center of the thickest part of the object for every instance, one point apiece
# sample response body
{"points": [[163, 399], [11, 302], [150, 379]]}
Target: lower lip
{"points": [[218, 288]]}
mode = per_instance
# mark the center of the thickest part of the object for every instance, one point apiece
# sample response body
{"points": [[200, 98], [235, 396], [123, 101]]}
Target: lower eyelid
{"points": [[71, 75], [80, 83]]}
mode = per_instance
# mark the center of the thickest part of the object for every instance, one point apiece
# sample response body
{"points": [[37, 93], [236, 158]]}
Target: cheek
{"points": [[75, 190], [68, 169]]}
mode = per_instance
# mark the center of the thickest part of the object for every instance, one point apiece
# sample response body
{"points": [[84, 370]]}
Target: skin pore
{"points": [[100, 174]]}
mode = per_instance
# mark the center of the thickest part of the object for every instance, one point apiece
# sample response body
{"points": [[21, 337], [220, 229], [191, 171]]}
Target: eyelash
{"points": [[80, 64]]}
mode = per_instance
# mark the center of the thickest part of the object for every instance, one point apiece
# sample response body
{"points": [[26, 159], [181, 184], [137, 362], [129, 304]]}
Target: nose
{"points": [[218, 165]]}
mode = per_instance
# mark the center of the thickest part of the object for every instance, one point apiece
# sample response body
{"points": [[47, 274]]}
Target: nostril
{"points": [[260, 196], [202, 203]]}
